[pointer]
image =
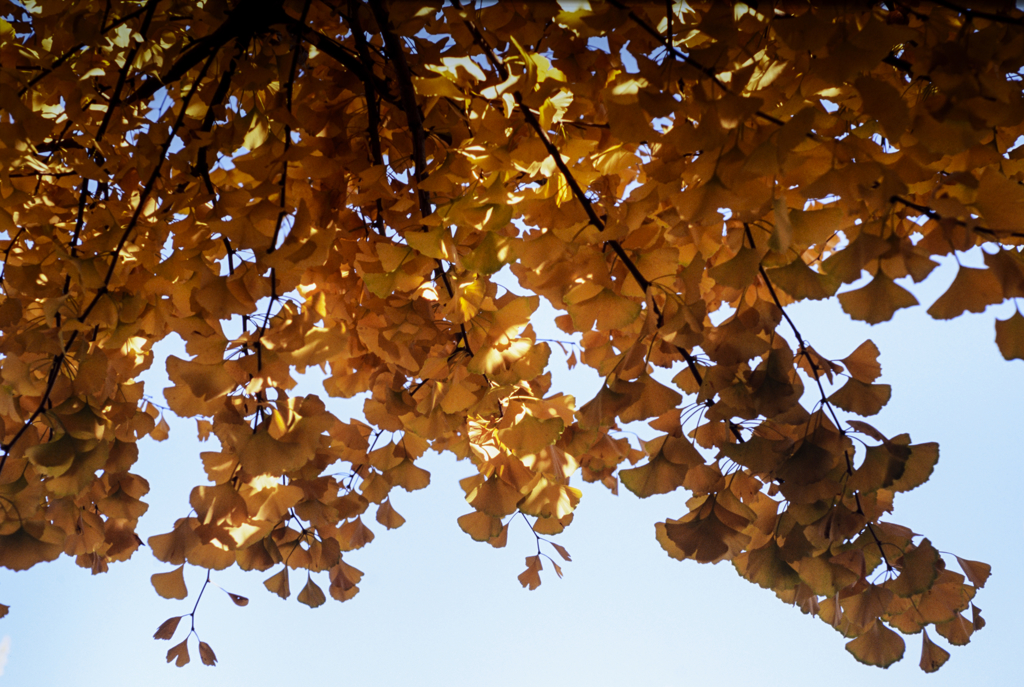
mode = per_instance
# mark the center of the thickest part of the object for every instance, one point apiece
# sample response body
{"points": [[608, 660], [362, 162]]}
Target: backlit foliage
{"points": [[332, 185]]}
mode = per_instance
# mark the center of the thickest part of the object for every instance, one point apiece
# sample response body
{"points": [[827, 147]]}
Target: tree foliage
{"points": [[338, 185]]}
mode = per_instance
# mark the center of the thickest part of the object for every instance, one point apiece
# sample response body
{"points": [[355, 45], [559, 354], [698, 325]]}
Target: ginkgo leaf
{"points": [[766, 568], [879, 646], [863, 364], [311, 595], [388, 516], [883, 102], [659, 476], [972, 290], [207, 655], [562, 552], [876, 302], [171, 585], [1010, 336], [976, 618], [919, 466], [345, 205], [179, 653], [919, 567], [167, 628], [530, 578], [932, 656], [956, 631], [863, 399], [977, 572], [800, 281], [278, 583], [480, 526]]}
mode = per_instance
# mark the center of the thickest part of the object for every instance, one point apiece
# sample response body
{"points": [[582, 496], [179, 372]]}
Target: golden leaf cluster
{"points": [[298, 184]]}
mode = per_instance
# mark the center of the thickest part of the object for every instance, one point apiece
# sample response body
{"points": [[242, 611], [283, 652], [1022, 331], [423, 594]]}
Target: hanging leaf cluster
{"points": [[384, 191]]}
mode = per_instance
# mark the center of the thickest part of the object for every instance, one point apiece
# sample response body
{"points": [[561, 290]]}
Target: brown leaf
{"points": [[237, 599], [972, 290], [976, 571], [863, 399], [167, 628], [562, 552], [178, 653], [388, 516], [279, 584], [932, 655], [1010, 336], [877, 301], [170, 585], [206, 654], [530, 578], [862, 364], [311, 594]]}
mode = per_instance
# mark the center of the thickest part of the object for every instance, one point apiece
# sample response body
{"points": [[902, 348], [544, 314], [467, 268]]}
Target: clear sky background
{"points": [[437, 608]]}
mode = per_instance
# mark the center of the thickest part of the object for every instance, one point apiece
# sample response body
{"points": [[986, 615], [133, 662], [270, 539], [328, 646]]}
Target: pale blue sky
{"points": [[437, 608]]}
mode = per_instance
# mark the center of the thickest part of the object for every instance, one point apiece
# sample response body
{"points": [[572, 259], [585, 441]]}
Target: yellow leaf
{"points": [[972, 290], [879, 646], [606, 310], [170, 585], [480, 526], [800, 281], [919, 567], [659, 476], [494, 496], [877, 301], [161, 432]]}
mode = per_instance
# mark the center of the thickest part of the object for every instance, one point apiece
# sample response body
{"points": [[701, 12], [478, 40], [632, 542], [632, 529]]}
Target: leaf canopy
{"points": [[384, 191]]}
